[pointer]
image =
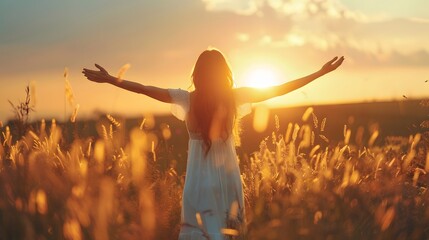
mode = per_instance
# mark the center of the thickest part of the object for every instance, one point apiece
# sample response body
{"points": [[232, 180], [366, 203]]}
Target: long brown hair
{"points": [[213, 105]]}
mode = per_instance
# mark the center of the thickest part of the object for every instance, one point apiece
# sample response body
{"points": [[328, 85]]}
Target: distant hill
{"points": [[396, 118]]}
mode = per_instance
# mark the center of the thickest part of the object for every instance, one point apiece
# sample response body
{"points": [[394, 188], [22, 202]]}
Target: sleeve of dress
{"points": [[244, 109], [180, 103]]}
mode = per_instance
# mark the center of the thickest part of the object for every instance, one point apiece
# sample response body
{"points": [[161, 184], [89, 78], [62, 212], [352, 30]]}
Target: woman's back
{"points": [[220, 127]]}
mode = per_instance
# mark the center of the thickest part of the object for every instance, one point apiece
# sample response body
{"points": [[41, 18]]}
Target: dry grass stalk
{"points": [[122, 71]]}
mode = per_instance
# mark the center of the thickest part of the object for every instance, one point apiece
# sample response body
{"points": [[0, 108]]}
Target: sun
{"points": [[261, 77]]}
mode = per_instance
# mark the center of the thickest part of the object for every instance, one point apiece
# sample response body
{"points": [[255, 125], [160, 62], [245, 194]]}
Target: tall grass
{"points": [[88, 189], [298, 185], [296, 190]]}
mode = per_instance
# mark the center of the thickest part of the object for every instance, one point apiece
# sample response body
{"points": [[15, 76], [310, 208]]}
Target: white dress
{"points": [[212, 202]]}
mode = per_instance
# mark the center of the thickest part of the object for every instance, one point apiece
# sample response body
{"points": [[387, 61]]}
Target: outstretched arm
{"points": [[247, 94], [102, 76]]}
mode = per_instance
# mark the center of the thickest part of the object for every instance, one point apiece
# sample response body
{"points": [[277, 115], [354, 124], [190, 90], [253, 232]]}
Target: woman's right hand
{"points": [[101, 76]]}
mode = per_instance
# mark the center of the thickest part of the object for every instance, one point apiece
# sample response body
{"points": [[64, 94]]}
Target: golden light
{"points": [[261, 77], [261, 117]]}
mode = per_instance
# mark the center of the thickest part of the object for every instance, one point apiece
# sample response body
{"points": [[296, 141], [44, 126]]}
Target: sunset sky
{"points": [[385, 44]]}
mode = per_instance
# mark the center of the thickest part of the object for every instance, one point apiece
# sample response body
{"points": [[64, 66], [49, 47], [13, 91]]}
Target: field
{"points": [[124, 180]]}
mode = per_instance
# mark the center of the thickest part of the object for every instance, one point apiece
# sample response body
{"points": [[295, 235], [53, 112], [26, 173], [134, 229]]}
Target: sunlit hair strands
{"points": [[213, 105]]}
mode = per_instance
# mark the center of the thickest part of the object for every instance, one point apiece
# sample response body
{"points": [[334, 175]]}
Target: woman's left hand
{"points": [[101, 76], [332, 65]]}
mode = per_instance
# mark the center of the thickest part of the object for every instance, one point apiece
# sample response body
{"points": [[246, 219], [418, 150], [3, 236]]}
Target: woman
{"points": [[212, 202]]}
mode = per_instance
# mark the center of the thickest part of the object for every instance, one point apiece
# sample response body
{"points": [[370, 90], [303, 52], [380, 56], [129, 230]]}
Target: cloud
{"points": [[301, 9], [238, 6], [329, 25]]}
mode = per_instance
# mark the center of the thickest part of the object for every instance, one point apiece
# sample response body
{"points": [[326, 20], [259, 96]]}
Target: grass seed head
{"points": [[307, 114]]}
